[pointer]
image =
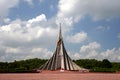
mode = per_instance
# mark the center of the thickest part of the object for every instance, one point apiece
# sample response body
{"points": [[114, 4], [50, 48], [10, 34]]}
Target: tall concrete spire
{"points": [[60, 58], [60, 32]]}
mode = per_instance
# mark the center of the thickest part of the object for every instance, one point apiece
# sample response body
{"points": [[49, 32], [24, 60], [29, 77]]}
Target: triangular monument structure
{"points": [[60, 59]]}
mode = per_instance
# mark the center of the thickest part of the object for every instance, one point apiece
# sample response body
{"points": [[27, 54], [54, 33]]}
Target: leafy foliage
{"points": [[21, 66], [30, 64], [99, 66]]}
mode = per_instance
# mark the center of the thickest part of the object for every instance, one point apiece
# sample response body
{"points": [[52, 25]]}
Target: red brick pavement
{"points": [[57, 75]]}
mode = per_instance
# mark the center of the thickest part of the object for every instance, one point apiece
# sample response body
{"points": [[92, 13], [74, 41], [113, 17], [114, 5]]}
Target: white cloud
{"points": [[38, 52], [39, 18], [5, 5], [12, 54], [30, 2], [26, 30], [89, 47], [66, 23], [108, 53], [12, 50], [6, 20], [111, 54], [66, 7], [92, 51], [77, 38], [65, 12], [77, 9], [22, 38]]}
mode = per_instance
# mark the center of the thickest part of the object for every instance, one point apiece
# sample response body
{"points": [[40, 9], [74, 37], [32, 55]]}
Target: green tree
{"points": [[106, 64]]}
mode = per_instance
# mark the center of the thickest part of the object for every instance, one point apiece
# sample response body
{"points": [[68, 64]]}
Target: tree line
{"points": [[98, 66], [31, 64], [21, 66]]}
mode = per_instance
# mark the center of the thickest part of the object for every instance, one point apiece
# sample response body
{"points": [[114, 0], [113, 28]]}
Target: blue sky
{"points": [[29, 28]]}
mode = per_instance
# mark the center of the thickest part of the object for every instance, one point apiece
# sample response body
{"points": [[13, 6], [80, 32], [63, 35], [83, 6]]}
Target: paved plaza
{"points": [[56, 75]]}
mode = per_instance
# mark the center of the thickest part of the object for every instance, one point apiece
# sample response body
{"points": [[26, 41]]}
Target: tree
{"points": [[106, 64]]}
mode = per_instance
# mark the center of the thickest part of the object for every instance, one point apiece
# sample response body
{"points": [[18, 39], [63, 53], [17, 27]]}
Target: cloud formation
{"points": [[92, 50], [22, 53], [77, 38], [23, 39], [98, 10], [26, 39], [5, 5]]}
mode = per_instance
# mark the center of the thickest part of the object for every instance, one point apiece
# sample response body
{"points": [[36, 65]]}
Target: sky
{"points": [[30, 29]]}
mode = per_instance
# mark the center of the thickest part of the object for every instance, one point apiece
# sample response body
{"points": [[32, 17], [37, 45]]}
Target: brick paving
{"points": [[56, 75]]}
